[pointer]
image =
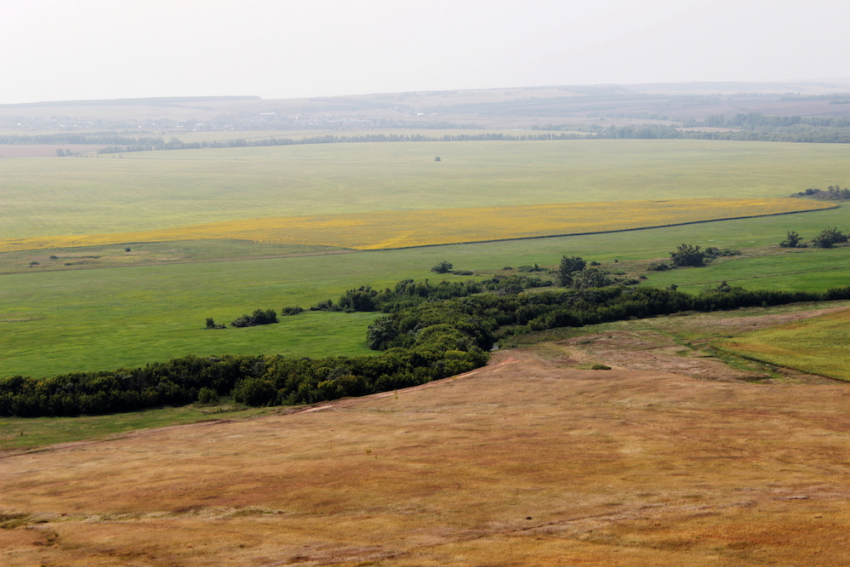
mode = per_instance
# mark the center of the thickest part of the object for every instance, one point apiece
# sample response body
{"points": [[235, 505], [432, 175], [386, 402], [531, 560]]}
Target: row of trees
{"points": [[423, 339], [833, 193], [828, 238]]}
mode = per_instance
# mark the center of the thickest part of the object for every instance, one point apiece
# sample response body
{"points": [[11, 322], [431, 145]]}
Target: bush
{"points": [[688, 255], [792, 240], [442, 268], [828, 238], [290, 311], [207, 396], [259, 317], [212, 325]]}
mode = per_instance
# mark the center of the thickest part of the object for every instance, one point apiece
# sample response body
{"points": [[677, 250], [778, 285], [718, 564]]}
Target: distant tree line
{"points": [[423, 338], [833, 193]]}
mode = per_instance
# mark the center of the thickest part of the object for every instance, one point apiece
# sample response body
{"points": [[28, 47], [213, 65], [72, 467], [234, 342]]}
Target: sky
{"points": [[105, 49]]}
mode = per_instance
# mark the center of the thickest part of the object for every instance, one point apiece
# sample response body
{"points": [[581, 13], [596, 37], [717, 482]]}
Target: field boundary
{"points": [[399, 230], [608, 231]]}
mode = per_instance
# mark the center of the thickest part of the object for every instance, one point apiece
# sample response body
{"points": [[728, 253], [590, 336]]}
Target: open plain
{"points": [[533, 460]]}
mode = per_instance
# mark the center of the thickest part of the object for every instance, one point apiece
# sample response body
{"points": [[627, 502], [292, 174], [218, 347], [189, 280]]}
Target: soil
{"points": [[666, 458]]}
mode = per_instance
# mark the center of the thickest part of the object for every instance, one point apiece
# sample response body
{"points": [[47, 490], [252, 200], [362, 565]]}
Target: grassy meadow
{"points": [[60, 321], [162, 190], [818, 345], [103, 310]]}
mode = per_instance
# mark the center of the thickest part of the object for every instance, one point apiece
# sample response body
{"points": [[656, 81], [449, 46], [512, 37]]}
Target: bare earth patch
{"points": [[530, 461]]}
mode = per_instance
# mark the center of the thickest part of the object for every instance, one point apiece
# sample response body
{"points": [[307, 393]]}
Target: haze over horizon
{"points": [[54, 50]]}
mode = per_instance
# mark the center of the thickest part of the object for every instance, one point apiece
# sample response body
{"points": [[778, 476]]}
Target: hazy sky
{"points": [[93, 49]]}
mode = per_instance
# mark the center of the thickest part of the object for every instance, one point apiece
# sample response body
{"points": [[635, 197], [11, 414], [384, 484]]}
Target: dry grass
{"points": [[404, 229], [526, 462]]}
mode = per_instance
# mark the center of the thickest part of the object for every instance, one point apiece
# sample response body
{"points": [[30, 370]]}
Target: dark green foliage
{"points": [[259, 317], [327, 305], [833, 193], [290, 311], [590, 277], [659, 267], [442, 268], [713, 252], [569, 266], [207, 396], [211, 324], [828, 238], [792, 240], [407, 293], [687, 255], [422, 341], [361, 299]]}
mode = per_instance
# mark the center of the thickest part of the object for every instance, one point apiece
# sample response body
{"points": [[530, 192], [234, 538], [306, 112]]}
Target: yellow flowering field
{"points": [[405, 229], [820, 345]]}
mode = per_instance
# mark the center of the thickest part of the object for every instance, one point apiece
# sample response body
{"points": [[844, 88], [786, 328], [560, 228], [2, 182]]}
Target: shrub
{"points": [[207, 396], [443, 267], [688, 255], [828, 238], [259, 317], [792, 240]]}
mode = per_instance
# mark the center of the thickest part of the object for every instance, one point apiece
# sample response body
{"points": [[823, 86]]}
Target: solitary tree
{"points": [[569, 266], [687, 255], [792, 240], [443, 267]]}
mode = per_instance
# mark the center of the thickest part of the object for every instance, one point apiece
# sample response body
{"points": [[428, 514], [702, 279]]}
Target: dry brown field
{"points": [[668, 458]]}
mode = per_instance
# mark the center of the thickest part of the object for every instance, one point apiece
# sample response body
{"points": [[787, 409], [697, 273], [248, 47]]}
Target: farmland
{"points": [[407, 229], [65, 314], [641, 441], [165, 190]]}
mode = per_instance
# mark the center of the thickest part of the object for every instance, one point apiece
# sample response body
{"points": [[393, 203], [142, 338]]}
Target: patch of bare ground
{"points": [[529, 461]]}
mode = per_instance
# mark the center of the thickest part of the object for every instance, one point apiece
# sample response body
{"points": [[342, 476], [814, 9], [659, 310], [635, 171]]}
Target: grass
{"points": [[817, 346], [56, 318], [523, 463], [808, 270], [405, 229], [160, 190], [29, 433], [60, 321]]}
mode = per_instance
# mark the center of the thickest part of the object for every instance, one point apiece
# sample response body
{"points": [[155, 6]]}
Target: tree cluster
{"points": [[833, 193], [828, 238], [258, 317], [422, 340]]}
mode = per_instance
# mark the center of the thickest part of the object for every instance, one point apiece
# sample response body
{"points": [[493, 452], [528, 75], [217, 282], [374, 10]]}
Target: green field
{"points": [[818, 345], [28, 433], [94, 319], [152, 190], [89, 319]]}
